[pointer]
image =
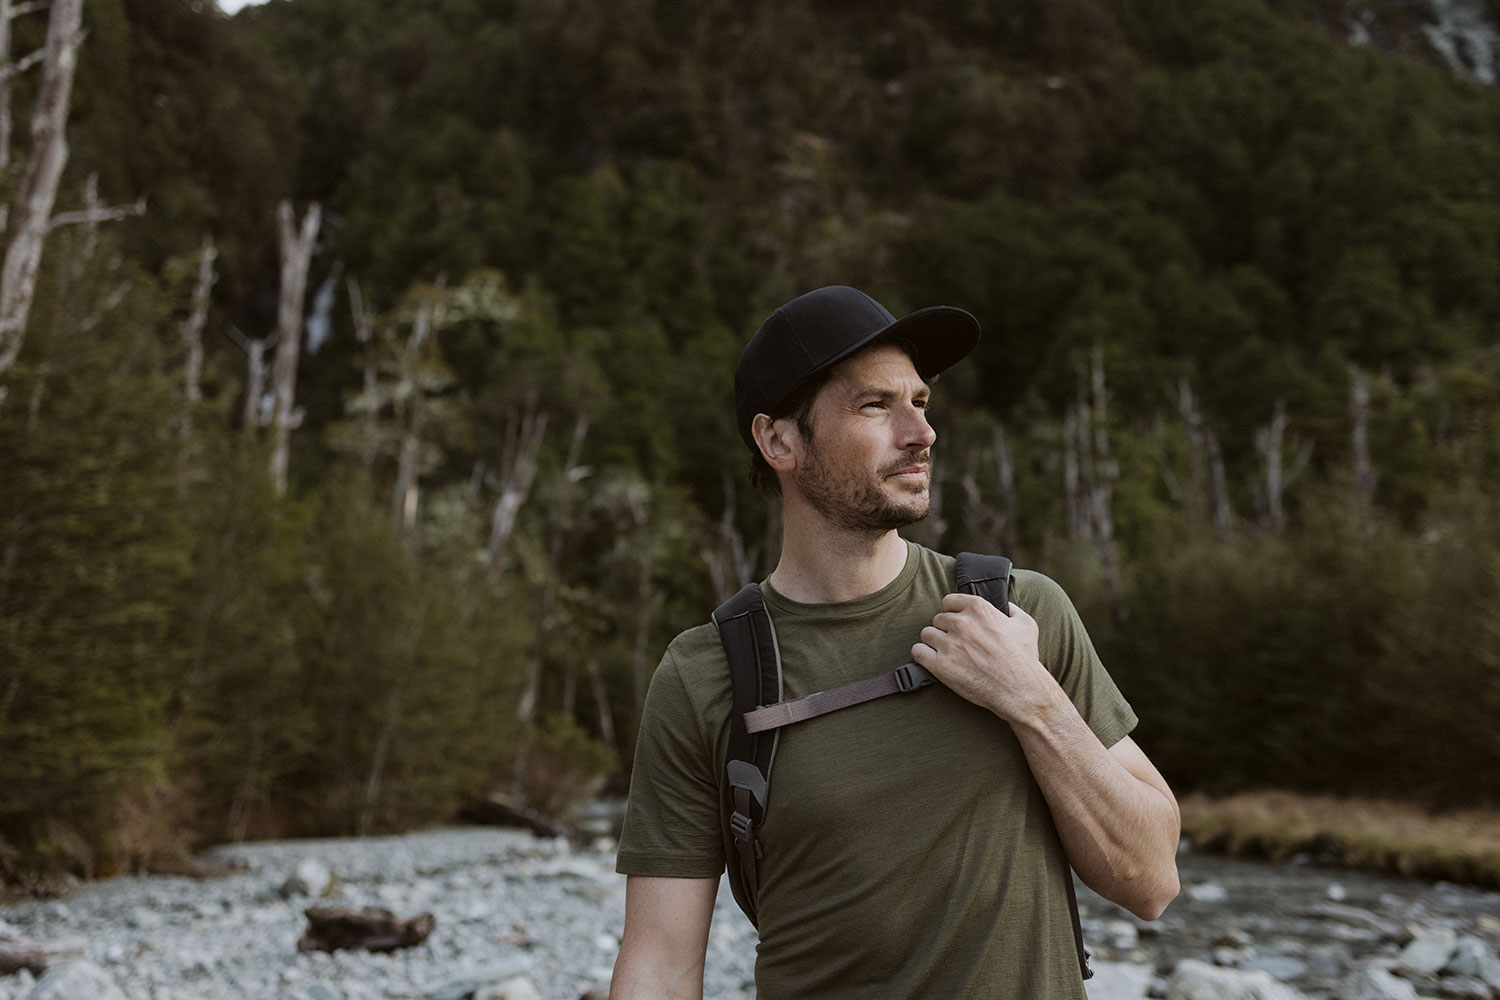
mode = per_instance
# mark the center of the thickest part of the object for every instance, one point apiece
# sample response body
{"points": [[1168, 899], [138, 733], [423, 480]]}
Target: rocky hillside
{"points": [[1462, 36]]}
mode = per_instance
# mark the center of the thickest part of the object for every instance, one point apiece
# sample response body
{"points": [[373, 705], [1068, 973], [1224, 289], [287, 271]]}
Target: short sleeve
{"points": [[672, 823], [1067, 651]]}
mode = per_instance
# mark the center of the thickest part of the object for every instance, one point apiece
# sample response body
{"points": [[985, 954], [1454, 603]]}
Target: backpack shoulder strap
{"points": [[989, 577], [985, 576], [749, 641]]}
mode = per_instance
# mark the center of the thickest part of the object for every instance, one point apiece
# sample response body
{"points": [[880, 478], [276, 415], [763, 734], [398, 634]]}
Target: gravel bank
{"points": [[507, 904], [513, 908]]}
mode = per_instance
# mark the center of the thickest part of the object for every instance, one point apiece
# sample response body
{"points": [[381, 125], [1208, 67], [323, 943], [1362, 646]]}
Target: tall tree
{"points": [[296, 258], [31, 210]]}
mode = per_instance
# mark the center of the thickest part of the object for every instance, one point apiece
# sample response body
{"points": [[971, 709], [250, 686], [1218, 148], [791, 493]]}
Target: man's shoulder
{"points": [[694, 644], [697, 658], [1030, 587]]}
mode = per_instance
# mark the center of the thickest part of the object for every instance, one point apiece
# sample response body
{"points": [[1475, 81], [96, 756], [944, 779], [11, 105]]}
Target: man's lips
{"points": [[911, 472]]}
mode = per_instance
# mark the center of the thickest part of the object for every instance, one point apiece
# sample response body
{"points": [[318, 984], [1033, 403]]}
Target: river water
{"points": [[1305, 924]]}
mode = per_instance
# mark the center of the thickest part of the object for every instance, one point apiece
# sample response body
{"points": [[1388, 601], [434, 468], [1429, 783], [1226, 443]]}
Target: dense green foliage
{"points": [[591, 205]]}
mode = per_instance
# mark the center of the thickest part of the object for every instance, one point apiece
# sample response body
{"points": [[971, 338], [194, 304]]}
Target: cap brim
{"points": [[942, 336]]}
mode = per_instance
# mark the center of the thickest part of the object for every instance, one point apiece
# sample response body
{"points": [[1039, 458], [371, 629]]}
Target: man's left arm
{"points": [[1117, 819]]}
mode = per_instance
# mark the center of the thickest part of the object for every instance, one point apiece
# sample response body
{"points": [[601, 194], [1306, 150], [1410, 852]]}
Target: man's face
{"points": [[867, 466]]}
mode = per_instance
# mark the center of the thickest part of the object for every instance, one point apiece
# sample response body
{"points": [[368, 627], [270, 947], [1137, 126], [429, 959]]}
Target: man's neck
{"points": [[821, 564]]}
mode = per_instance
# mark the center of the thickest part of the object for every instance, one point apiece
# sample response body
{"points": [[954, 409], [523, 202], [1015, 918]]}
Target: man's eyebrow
{"points": [[885, 391]]}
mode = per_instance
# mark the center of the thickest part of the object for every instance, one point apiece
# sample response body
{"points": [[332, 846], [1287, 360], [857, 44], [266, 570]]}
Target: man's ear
{"points": [[773, 438]]}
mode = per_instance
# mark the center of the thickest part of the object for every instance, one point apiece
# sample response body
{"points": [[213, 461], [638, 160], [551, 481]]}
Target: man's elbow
{"points": [[1153, 895]]}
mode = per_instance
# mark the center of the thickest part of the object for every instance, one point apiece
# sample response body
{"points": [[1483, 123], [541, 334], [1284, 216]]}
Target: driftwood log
{"points": [[17, 953], [370, 928], [497, 809]]}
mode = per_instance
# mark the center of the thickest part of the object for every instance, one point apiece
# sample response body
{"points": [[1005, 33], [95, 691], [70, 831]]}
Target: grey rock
{"points": [[466, 985], [311, 877], [516, 988], [1119, 981], [1231, 958], [1194, 980], [81, 980], [1428, 952], [1476, 959], [1282, 968], [1234, 937], [1370, 983], [1121, 935], [1353, 916], [1465, 988], [1208, 892]]}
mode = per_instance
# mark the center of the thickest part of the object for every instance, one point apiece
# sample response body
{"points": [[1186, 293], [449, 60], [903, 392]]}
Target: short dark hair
{"points": [[798, 406]]}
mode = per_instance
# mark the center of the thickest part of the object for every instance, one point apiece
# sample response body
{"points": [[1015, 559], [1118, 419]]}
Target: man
{"points": [[914, 846]]}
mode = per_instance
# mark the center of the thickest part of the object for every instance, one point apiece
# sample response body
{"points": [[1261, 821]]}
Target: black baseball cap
{"points": [[815, 331]]}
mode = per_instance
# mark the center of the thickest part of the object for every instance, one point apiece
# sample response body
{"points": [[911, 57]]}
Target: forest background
{"points": [[367, 431]]}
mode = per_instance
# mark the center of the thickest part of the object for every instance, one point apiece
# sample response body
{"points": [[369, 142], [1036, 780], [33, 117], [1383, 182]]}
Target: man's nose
{"points": [[918, 433]]}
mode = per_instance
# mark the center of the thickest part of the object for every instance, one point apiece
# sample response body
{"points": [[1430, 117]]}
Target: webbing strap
{"points": [[1084, 968], [907, 677]]}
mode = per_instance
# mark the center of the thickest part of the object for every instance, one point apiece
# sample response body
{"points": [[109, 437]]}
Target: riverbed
{"points": [[542, 917]]}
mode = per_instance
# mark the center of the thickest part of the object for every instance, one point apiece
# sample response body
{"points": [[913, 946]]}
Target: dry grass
{"points": [[1378, 836]]}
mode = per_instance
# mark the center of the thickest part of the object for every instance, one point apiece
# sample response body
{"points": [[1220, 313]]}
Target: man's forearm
{"points": [[640, 977], [666, 939], [1115, 815]]}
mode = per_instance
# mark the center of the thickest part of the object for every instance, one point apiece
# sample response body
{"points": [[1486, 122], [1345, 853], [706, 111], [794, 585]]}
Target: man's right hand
{"points": [[666, 938]]}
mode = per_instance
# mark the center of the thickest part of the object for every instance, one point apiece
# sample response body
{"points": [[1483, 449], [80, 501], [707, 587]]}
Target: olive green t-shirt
{"points": [[908, 849]]}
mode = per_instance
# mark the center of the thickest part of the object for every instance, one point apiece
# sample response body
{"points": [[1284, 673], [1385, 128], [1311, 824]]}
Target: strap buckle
{"points": [[910, 676], [741, 827]]}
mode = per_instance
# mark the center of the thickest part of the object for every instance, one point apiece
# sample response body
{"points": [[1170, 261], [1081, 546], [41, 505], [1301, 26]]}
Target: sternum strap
{"points": [[907, 677]]}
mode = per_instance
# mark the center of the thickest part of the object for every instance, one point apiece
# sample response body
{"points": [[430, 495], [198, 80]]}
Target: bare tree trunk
{"points": [[7, 89], [1196, 496], [1359, 415], [255, 378], [524, 433], [1270, 443], [1010, 506], [648, 601], [192, 343], [9, 11], [404, 495], [732, 564], [244, 799], [601, 702], [994, 523], [1223, 514], [364, 332], [1073, 436], [571, 473], [296, 259], [1104, 471], [377, 764], [32, 209], [192, 332], [255, 388]]}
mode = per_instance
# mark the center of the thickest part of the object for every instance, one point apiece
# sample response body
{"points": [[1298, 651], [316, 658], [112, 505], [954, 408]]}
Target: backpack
{"points": [[759, 713]]}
